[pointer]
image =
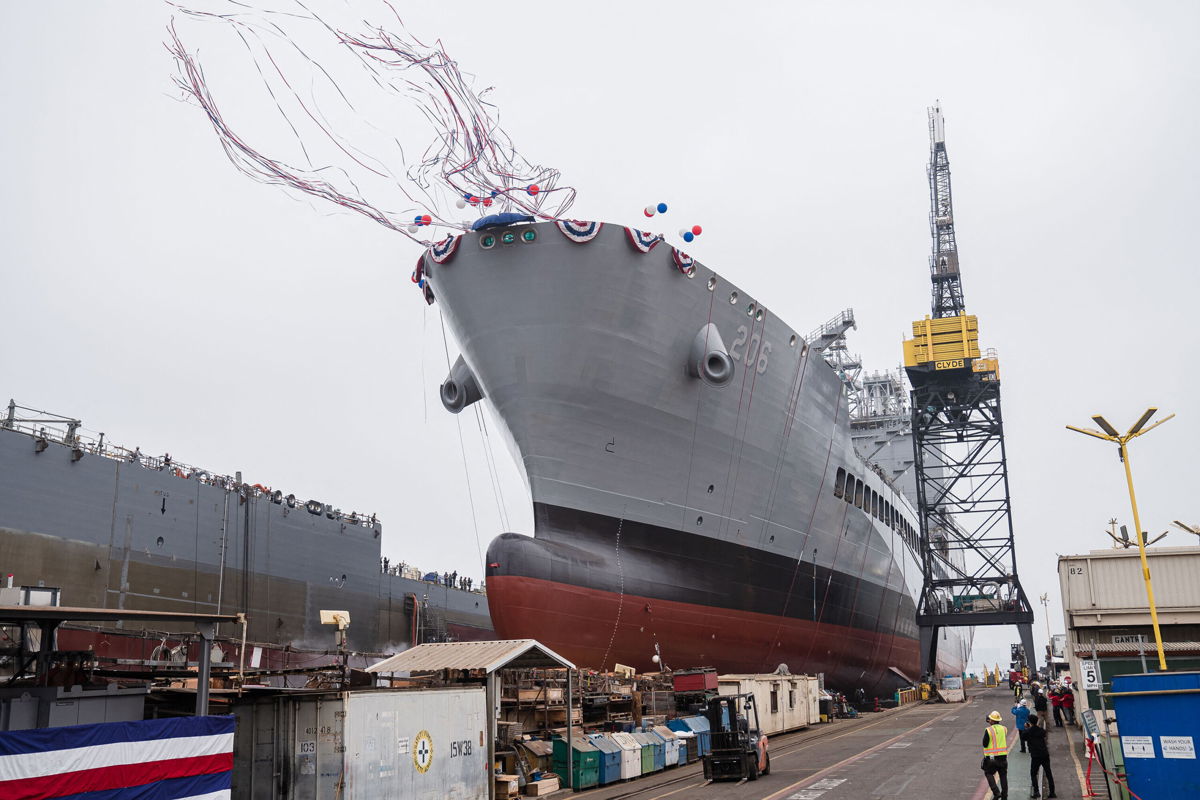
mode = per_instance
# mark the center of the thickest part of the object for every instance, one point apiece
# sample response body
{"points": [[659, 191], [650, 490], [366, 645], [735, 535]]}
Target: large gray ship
{"points": [[112, 528], [697, 495]]}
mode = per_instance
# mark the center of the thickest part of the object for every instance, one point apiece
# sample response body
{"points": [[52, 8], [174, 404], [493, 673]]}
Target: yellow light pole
{"points": [[1110, 435]]}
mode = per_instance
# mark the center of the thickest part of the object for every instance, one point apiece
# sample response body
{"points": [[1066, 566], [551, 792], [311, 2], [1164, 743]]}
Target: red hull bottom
{"points": [[597, 629]]}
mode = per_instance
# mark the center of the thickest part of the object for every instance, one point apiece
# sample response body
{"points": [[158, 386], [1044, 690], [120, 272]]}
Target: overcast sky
{"points": [[155, 292]]}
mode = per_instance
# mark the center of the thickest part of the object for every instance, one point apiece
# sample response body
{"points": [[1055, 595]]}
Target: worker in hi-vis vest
{"points": [[995, 755]]}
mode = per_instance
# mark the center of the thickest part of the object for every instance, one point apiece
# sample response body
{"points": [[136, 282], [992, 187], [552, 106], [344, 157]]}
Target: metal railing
{"points": [[46, 427]]}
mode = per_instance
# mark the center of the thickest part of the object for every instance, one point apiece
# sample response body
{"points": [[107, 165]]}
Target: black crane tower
{"points": [[967, 553]]}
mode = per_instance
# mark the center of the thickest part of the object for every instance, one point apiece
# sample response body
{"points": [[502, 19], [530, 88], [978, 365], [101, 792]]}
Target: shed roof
{"points": [[488, 656]]}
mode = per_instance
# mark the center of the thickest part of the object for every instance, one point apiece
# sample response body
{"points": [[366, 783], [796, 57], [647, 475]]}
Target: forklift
{"points": [[738, 748]]}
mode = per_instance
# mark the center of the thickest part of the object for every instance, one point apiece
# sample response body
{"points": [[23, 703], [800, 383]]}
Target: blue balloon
{"points": [[662, 208], [494, 193], [688, 236]]}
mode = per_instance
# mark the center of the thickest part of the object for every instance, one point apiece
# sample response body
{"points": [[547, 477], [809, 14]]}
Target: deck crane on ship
{"points": [[967, 550]]}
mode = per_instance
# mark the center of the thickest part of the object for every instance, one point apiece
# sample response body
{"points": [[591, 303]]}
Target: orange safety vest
{"points": [[999, 738]]}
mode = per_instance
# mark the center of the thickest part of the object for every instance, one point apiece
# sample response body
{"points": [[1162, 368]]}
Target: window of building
{"points": [[774, 701], [858, 493], [839, 483]]}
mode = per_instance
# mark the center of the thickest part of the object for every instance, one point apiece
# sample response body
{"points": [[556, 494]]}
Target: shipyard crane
{"points": [[968, 557]]}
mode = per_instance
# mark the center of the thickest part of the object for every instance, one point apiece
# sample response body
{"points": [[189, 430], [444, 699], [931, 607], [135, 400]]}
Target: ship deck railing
{"points": [[45, 427]]}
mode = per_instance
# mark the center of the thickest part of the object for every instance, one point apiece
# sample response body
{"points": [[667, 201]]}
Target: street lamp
{"points": [[1110, 435]]}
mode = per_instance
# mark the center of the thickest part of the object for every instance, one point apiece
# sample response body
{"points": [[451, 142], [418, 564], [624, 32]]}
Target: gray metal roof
{"points": [[488, 656]]}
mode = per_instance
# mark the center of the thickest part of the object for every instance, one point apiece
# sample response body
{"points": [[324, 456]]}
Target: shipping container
{"points": [[690, 681], [1109, 582], [785, 702], [425, 744]]}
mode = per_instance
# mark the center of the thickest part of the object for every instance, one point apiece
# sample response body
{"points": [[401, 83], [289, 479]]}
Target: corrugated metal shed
{"points": [[487, 656]]}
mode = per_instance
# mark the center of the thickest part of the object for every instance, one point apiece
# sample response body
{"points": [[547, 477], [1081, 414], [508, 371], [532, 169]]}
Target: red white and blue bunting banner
{"points": [[579, 232], [418, 277], [444, 250], [685, 263], [163, 759], [643, 242]]}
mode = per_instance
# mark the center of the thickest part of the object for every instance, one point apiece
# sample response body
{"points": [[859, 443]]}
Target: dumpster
{"points": [[671, 753], [653, 755], [586, 772], [1157, 714], [700, 727], [610, 758], [688, 750], [631, 755]]}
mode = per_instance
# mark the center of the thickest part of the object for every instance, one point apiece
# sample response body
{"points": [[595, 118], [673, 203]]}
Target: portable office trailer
{"points": [[784, 702], [360, 745], [631, 755]]}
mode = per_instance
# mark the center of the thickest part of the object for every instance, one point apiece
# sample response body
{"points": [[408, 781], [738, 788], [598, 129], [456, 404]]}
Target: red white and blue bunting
{"points": [[579, 232], [643, 242], [418, 277], [685, 263], [444, 250]]}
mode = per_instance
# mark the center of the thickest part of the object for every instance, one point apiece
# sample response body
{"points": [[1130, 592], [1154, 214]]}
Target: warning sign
{"points": [[422, 751], [1177, 746], [1137, 746]]}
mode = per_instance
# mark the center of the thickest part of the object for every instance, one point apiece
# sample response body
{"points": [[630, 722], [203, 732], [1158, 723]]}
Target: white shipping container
{"points": [[1109, 583], [426, 744], [784, 702]]}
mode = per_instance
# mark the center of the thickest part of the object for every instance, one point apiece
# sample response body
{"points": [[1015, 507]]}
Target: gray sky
{"points": [[156, 293]]}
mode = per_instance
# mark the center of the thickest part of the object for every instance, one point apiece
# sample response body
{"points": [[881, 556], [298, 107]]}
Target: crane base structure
{"points": [[968, 554]]}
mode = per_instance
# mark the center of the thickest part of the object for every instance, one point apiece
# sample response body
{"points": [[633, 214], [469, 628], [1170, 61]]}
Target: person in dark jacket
{"points": [[1039, 757], [1039, 701]]}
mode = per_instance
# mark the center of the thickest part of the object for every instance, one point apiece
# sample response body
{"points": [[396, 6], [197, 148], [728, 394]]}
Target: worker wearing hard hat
{"points": [[995, 755]]}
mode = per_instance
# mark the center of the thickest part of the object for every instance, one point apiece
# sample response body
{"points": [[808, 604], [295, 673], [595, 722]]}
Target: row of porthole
{"points": [[488, 240], [752, 310]]}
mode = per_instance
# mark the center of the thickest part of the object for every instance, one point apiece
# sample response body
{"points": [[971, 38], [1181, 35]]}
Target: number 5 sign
{"points": [[1091, 674]]}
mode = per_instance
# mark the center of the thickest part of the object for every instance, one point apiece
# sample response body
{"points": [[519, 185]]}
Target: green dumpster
{"points": [[586, 762]]}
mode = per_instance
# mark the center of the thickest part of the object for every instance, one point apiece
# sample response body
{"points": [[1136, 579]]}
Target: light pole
{"points": [[1110, 435], [1045, 598]]}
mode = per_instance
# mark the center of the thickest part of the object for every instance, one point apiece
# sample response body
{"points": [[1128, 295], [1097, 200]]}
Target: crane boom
{"points": [[943, 262]]}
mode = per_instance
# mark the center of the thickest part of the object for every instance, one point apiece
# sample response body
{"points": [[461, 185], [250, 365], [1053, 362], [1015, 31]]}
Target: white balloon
{"points": [[411, 229], [461, 203], [655, 658]]}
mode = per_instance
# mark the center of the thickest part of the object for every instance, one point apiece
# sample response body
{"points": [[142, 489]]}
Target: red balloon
{"points": [[533, 188], [487, 201], [426, 219], [697, 230], [648, 212]]}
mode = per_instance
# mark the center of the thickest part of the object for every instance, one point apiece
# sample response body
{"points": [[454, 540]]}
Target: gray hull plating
{"points": [[114, 534], [584, 351]]}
